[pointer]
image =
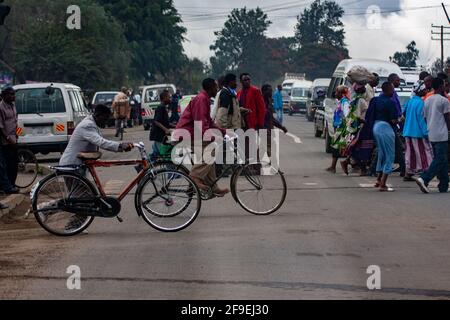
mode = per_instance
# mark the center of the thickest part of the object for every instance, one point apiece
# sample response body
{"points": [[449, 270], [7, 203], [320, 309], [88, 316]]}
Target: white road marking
{"points": [[296, 139]]}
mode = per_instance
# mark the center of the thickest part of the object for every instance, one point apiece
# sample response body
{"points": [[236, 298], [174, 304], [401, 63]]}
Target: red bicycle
{"points": [[65, 203]]}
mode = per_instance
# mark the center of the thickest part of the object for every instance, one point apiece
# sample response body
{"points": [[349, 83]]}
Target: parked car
{"points": [[316, 98], [300, 92], [106, 98], [151, 101], [48, 114], [382, 68]]}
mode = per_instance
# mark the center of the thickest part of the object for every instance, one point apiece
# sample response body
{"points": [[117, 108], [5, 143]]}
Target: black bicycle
{"points": [[27, 168], [258, 187]]}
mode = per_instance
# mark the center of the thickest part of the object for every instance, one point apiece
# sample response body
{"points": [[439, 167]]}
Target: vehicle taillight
{"points": [[70, 127]]}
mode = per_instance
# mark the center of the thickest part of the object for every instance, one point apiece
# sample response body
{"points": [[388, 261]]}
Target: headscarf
{"points": [[343, 90], [419, 86]]}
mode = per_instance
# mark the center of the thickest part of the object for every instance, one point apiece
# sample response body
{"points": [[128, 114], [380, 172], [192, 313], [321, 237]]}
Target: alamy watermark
{"points": [[74, 280], [74, 19], [374, 280], [235, 147], [373, 17]]}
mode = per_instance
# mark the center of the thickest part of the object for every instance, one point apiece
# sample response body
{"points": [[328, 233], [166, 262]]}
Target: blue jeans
{"points": [[280, 115], [439, 166]]}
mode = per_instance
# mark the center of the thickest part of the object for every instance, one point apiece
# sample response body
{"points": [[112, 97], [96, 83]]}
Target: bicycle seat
{"points": [[86, 156]]}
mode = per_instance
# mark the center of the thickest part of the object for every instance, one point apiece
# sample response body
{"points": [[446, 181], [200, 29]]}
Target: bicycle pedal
{"points": [[120, 219]]}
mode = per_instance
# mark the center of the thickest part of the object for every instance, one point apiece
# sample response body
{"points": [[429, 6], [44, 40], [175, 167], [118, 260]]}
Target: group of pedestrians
{"points": [[248, 108], [375, 133]]}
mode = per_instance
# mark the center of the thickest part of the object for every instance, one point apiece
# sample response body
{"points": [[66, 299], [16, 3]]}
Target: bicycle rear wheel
{"points": [[28, 169], [56, 188], [260, 192], [168, 200]]}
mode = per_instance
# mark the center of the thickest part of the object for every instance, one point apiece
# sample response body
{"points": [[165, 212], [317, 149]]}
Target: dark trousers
{"points": [[439, 166], [399, 153], [10, 161]]}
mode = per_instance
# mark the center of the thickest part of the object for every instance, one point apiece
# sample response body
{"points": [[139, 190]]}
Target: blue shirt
{"points": [[415, 124], [277, 100], [385, 110]]}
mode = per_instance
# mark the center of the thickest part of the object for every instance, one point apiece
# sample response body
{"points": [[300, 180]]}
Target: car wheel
{"points": [[317, 132]]}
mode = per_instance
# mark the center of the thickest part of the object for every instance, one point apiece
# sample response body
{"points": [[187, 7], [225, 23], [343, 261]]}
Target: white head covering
{"points": [[419, 86]]}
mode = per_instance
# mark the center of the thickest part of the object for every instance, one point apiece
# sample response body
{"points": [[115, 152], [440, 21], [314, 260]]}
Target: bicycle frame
{"points": [[92, 165]]}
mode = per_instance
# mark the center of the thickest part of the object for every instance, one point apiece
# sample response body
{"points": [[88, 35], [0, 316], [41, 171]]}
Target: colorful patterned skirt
{"points": [[419, 155]]}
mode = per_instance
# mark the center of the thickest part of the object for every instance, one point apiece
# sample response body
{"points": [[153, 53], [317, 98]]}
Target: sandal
{"points": [[331, 170], [344, 165]]}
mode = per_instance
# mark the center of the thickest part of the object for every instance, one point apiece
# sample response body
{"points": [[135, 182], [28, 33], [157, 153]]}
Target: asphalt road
{"points": [[319, 246]]}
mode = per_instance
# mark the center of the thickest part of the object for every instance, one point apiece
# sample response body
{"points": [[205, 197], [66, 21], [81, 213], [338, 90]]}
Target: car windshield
{"points": [[152, 95], [104, 98], [300, 92], [37, 101]]}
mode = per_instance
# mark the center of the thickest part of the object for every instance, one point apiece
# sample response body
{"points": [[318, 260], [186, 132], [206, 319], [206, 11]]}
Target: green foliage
{"points": [[41, 48], [321, 24], [154, 34], [318, 60], [408, 58], [241, 44]]}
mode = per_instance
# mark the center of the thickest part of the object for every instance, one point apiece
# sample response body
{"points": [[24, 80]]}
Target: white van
{"points": [[382, 68], [150, 101], [300, 92], [48, 114]]}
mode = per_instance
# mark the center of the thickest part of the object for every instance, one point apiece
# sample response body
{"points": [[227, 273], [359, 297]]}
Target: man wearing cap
{"points": [[8, 138]]}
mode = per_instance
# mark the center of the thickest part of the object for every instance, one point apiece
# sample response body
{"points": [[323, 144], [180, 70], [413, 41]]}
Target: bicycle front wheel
{"points": [[168, 200], [47, 199], [28, 168], [259, 190]]}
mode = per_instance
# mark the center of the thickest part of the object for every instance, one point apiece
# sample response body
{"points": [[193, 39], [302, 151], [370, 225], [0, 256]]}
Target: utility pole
{"points": [[438, 34]]}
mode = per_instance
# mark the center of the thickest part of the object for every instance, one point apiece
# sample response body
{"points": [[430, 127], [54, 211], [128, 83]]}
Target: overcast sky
{"points": [[400, 22]]}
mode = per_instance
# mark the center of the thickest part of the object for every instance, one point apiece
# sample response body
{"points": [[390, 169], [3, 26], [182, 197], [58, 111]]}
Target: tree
{"points": [[408, 58], [437, 66], [321, 23], [240, 45], [318, 60], [41, 48], [154, 34], [320, 40], [190, 76]]}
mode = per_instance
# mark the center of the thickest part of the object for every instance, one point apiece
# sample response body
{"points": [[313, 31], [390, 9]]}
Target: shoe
{"points": [[344, 165], [13, 191], [331, 170], [422, 185], [220, 193], [408, 179], [387, 189], [3, 206]]}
